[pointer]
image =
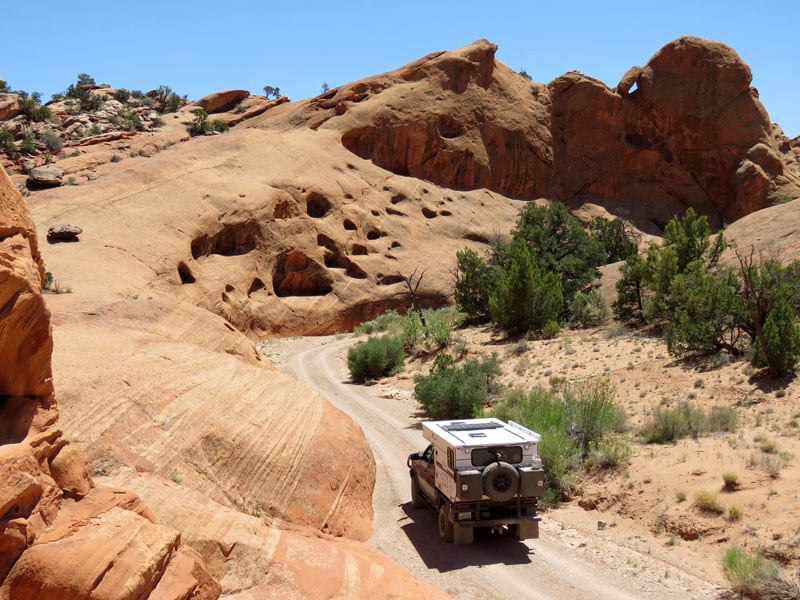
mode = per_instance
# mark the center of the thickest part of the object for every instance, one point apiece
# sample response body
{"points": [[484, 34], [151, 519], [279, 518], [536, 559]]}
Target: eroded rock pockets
{"points": [[295, 274]]}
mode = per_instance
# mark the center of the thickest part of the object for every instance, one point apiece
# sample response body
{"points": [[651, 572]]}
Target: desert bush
{"points": [[588, 309], [731, 480], [610, 451], [526, 295], [133, 122], [122, 95], [4, 89], [377, 357], [751, 574], [708, 502], [218, 125], [451, 392], [199, 124], [781, 340], [390, 321], [722, 419], [734, 513], [51, 140], [474, 282], [771, 464], [26, 145], [686, 419], [573, 421], [8, 145]]}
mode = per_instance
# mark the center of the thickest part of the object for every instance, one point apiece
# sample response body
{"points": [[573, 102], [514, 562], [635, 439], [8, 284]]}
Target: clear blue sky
{"points": [[200, 47]]}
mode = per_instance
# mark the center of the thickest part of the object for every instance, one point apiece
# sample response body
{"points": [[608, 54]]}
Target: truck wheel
{"points": [[500, 481], [417, 501], [445, 524]]}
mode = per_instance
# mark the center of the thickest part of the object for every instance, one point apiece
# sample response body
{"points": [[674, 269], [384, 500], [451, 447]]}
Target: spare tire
{"points": [[500, 481]]}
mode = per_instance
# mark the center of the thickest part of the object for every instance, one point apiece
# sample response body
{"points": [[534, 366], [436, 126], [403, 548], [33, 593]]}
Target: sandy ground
{"points": [[572, 558]]}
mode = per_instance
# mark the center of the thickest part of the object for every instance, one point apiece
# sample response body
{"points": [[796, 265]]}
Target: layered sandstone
{"points": [[59, 535]]}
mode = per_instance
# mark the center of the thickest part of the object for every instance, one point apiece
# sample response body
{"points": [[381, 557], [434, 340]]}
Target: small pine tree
{"points": [[473, 284], [781, 340], [526, 296]]}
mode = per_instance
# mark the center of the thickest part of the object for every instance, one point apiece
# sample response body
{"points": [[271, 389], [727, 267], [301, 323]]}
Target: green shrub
{"points": [[611, 451], [731, 480], [687, 419], [8, 145], [377, 357], [122, 95], [133, 122], [220, 126], [390, 321], [200, 124], [52, 141], [754, 576], [526, 296], [26, 145], [781, 340], [573, 420], [614, 239], [588, 309], [722, 419], [551, 329], [451, 392], [474, 282]]}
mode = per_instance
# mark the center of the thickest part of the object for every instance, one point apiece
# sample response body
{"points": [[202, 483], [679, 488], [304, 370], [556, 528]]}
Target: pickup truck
{"points": [[479, 473]]}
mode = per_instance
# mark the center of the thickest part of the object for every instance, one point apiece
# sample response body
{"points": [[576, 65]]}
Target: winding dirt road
{"points": [[563, 563]]}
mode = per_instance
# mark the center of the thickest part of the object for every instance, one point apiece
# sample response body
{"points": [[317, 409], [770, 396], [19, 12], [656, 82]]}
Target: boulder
{"points": [[45, 176], [63, 232], [9, 106], [222, 101]]}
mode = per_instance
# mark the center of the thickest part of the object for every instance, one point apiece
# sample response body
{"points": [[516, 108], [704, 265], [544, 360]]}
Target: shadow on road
{"points": [[419, 524]]}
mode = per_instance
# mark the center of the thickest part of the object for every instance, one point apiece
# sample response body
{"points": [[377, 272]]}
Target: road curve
{"points": [[494, 567]]}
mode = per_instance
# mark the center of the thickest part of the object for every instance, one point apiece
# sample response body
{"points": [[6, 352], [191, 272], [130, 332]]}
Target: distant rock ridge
{"points": [[684, 130]]}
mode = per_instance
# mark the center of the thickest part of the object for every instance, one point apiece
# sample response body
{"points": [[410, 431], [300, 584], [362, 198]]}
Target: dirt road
{"points": [[563, 563]]}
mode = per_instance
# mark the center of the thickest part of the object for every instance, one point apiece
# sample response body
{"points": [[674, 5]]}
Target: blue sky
{"points": [[200, 47]]}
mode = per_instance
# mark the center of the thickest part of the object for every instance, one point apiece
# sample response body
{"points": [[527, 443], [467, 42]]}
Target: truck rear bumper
{"points": [[494, 522]]}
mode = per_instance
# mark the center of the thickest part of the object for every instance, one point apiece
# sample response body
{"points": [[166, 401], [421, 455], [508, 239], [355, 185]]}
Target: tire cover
{"points": [[500, 481]]}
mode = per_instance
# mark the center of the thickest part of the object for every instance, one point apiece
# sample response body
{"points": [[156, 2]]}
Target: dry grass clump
{"points": [[708, 502]]}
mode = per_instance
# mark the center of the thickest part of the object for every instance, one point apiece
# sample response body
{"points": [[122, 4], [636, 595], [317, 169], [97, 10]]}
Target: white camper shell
{"points": [[462, 448]]}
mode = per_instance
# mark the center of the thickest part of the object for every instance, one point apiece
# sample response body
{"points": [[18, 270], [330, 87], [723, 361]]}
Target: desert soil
{"points": [[570, 559]]}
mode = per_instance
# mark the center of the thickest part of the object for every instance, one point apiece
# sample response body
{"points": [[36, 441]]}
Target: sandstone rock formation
{"points": [[684, 130], [222, 101], [9, 106], [59, 535]]}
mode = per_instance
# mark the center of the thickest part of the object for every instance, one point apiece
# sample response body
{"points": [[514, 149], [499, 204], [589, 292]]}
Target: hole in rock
{"points": [[317, 205], [428, 213], [233, 239], [295, 274], [256, 286], [185, 273]]}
